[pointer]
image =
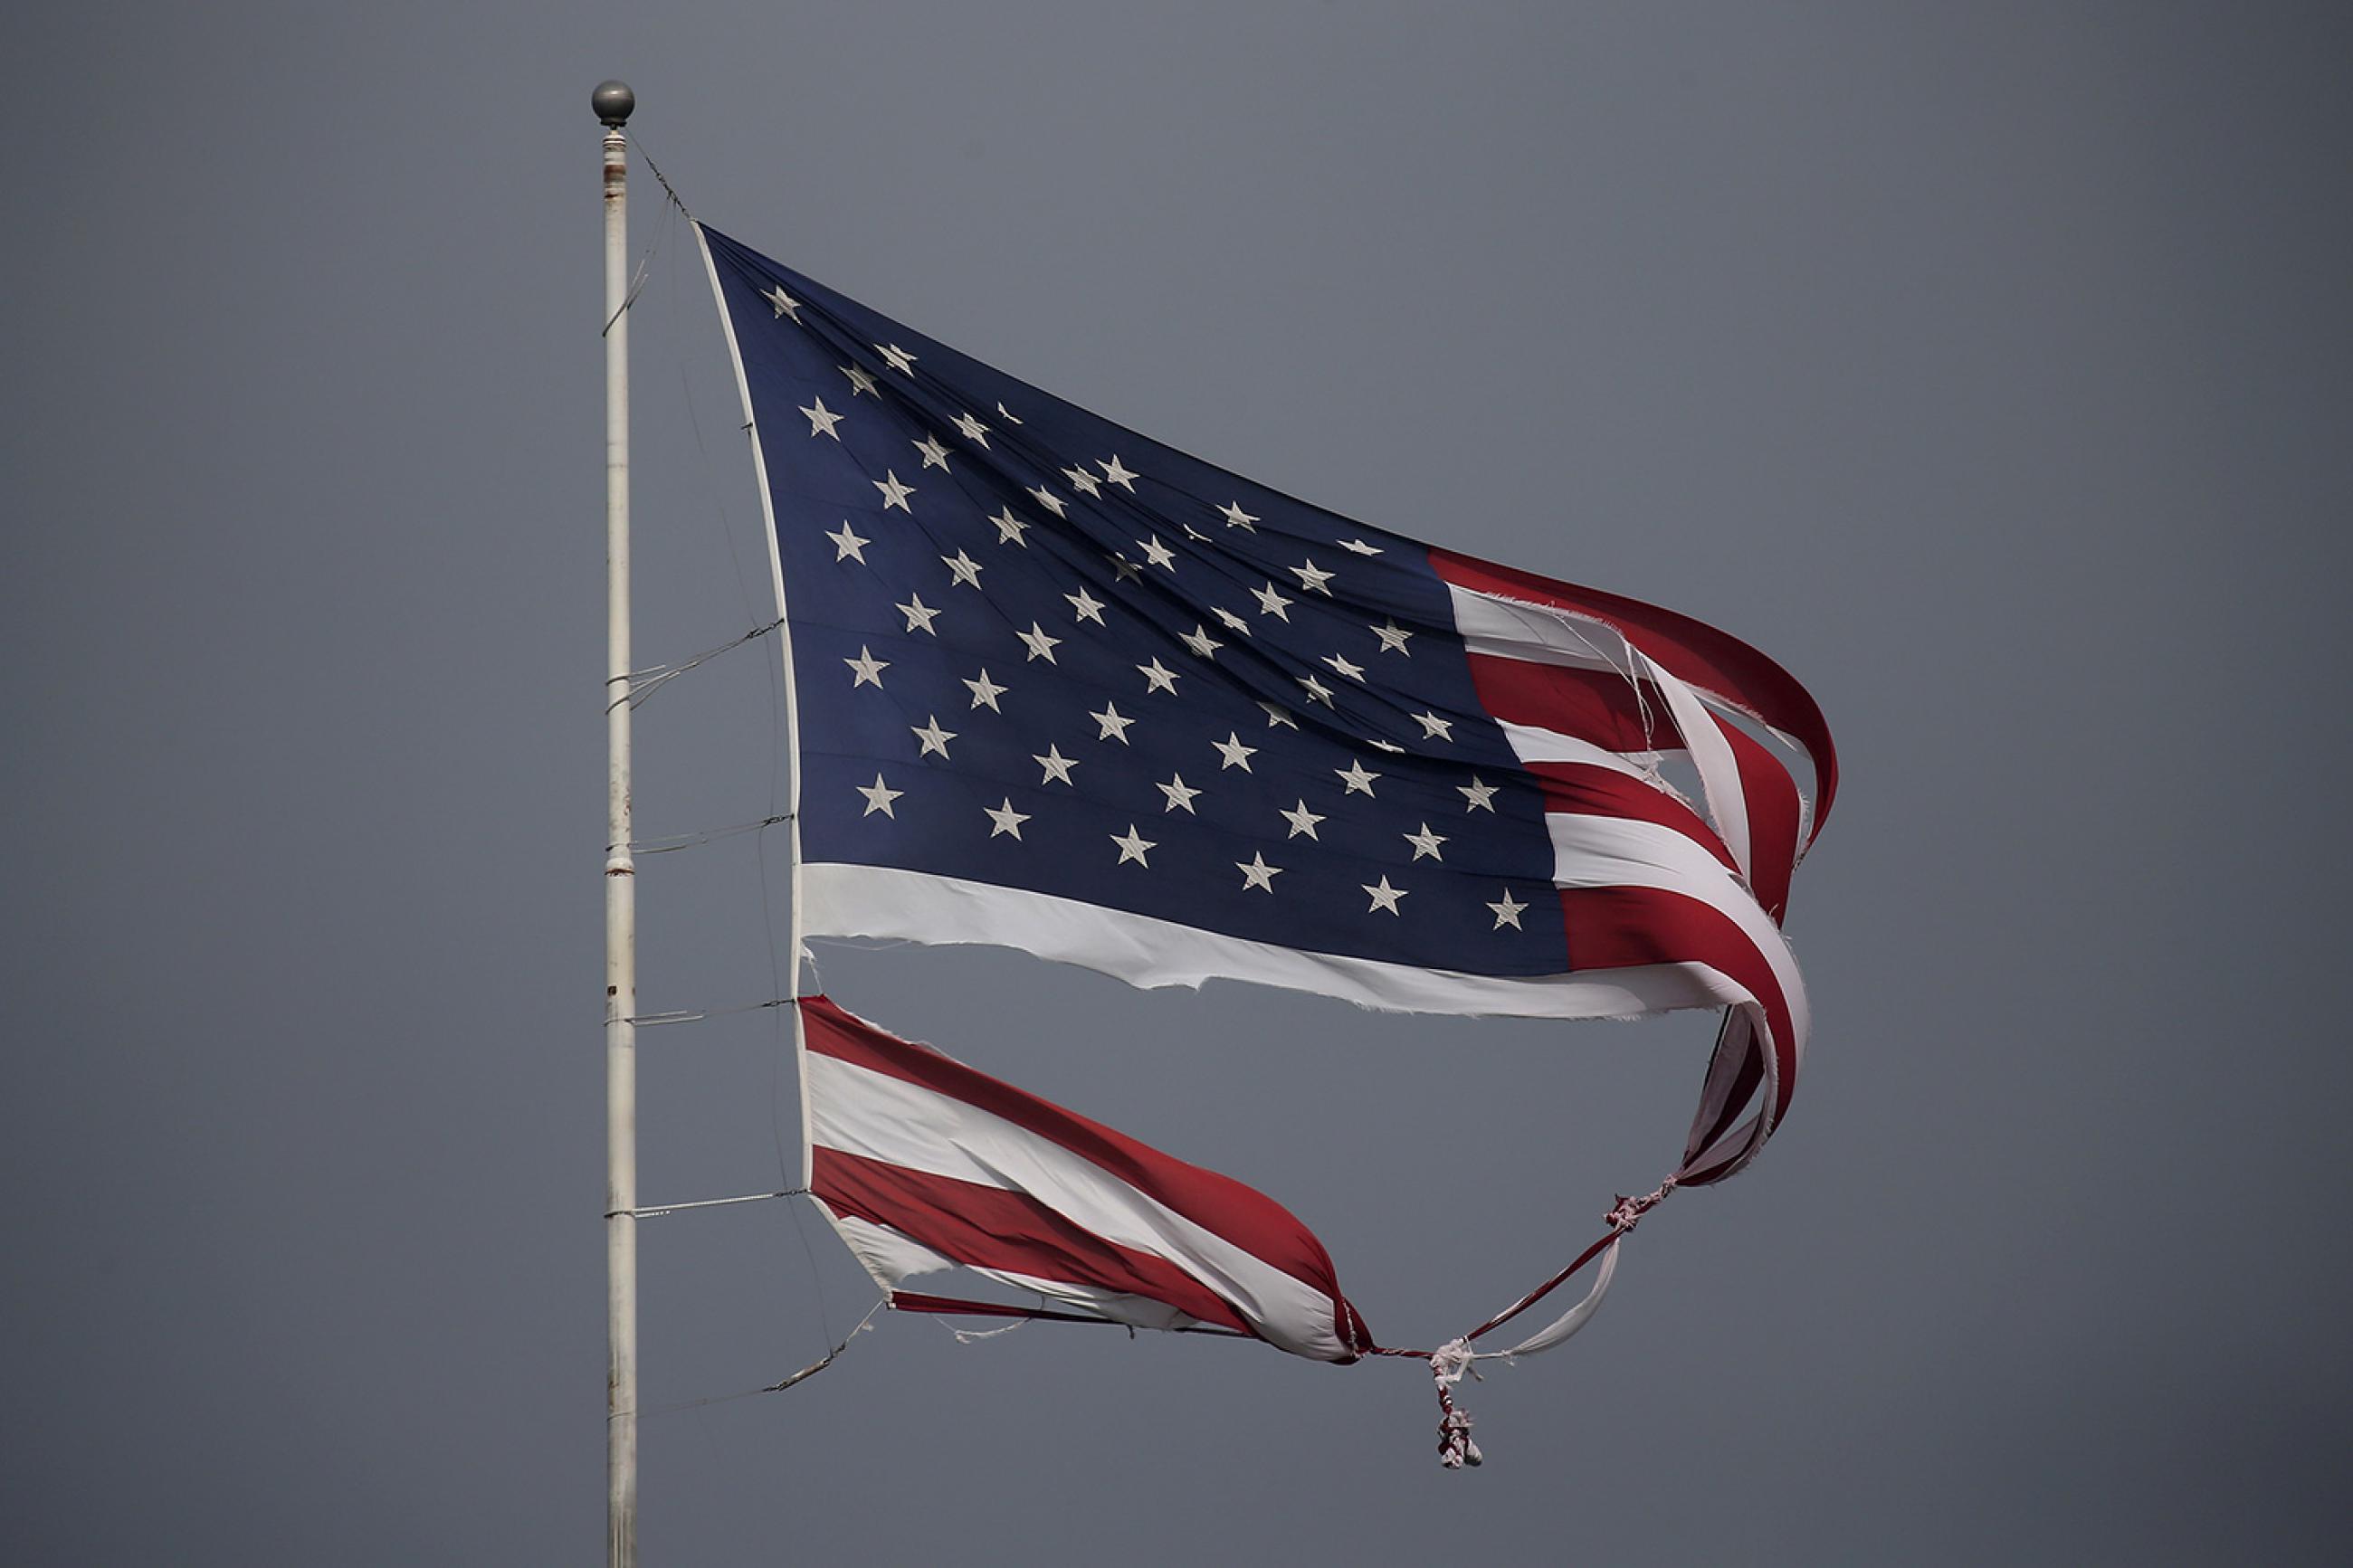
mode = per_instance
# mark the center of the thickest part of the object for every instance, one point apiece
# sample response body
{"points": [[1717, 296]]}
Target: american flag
{"points": [[1060, 688], [924, 1164]]}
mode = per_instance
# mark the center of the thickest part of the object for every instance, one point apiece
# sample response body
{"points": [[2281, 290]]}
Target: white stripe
{"points": [[889, 1254], [1576, 1317], [875, 1115], [885, 902], [1533, 744], [1537, 634]]}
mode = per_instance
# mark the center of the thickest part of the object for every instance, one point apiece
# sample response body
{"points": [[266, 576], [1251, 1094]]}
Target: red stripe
{"points": [[1593, 705], [1588, 789], [1241, 1215], [957, 1307], [988, 1227], [1772, 803], [1712, 660], [1620, 928]]}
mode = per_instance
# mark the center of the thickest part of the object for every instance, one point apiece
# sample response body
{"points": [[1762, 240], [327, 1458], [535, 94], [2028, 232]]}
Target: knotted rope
{"points": [[1448, 1363]]}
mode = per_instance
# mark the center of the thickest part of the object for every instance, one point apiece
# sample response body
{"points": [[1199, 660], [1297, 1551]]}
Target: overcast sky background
{"points": [[1987, 365]]}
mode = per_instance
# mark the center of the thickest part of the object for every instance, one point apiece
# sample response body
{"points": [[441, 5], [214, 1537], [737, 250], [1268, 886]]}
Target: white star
{"points": [[1179, 793], [848, 546], [1049, 500], [1237, 518], [1058, 767], [1009, 527], [1353, 671], [1391, 746], [866, 669], [1122, 569], [920, 615], [894, 493], [897, 358], [1008, 413], [1132, 847], [1360, 547], [1302, 820], [935, 456], [1199, 640], [1316, 689], [858, 379], [1312, 579], [1004, 820], [1234, 621], [984, 692], [1114, 726], [1425, 843], [1159, 554], [1039, 645], [1354, 776], [973, 429], [878, 796], [1089, 608], [1507, 913], [1118, 473], [1384, 897], [1276, 713], [1234, 754], [785, 303], [1434, 728], [1393, 637], [1270, 602], [1256, 873], [822, 420], [1482, 796], [1194, 533], [964, 568], [1157, 679], [933, 738], [1083, 481]]}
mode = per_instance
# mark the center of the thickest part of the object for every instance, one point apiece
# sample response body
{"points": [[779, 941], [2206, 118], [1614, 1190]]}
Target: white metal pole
{"points": [[613, 102]]}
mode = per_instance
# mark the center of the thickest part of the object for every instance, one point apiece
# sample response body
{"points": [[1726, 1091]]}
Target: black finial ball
{"points": [[613, 101]]}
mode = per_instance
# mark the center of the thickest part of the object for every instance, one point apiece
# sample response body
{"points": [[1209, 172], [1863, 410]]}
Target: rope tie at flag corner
{"points": [[1448, 1363], [640, 684], [1451, 1362], [1629, 1212]]}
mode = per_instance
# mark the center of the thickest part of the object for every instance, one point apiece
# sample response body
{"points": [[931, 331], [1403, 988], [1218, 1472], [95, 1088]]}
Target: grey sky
{"points": [[1985, 364]]}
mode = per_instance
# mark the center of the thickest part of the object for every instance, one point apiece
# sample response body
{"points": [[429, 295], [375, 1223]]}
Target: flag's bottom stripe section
{"points": [[1288, 1296], [916, 1102], [846, 899]]}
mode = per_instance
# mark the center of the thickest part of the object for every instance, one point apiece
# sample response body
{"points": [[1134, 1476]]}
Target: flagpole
{"points": [[613, 101]]}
